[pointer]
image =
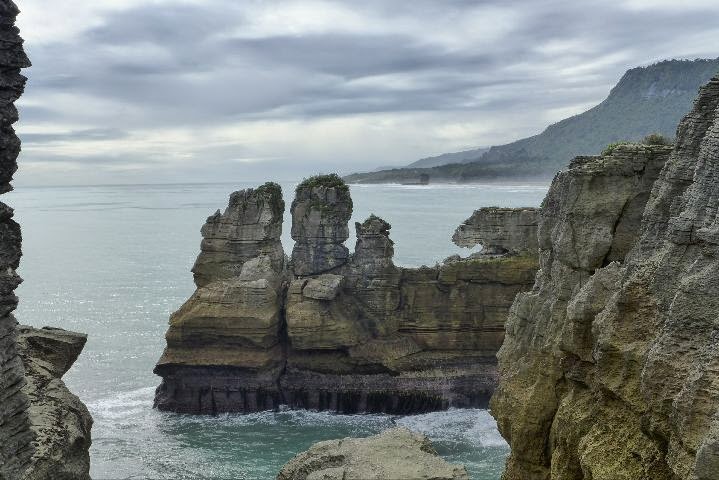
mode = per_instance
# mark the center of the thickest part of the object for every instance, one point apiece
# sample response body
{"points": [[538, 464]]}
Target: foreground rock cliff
{"points": [[44, 429], [393, 454], [332, 330], [610, 366]]}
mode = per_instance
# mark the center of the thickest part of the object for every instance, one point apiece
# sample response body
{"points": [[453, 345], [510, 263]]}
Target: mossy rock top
{"points": [[331, 180]]}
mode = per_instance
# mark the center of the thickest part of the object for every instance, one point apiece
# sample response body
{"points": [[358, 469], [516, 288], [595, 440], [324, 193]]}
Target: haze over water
{"points": [[114, 262]]}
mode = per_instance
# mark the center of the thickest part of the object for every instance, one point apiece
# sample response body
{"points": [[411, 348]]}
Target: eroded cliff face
{"points": [[338, 331], [610, 367], [60, 421], [15, 433], [44, 429]]}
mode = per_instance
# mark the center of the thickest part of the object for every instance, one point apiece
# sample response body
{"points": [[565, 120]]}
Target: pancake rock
{"points": [[395, 453], [320, 212], [15, 433], [223, 345], [610, 367], [60, 421], [250, 227], [500, 230], [340, 332], [44, 429]]}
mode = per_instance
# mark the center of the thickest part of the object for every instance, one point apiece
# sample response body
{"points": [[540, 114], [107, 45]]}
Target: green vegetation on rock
{"points": [[331, 180]]}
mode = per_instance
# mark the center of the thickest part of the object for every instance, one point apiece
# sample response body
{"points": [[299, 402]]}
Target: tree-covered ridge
{"points": [[646, 100]]}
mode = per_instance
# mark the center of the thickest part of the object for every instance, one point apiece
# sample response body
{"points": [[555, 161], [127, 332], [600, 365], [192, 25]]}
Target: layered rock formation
{"points": [[500, 230], [250, 227], [395, 453], [228, 333], [60, 421], [610, 367], [334, 331], [15, 433], [44, 429], [320, 213]]}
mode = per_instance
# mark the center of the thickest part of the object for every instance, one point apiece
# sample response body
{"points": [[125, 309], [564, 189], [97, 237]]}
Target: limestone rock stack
{"points": [[610, 367], [250, 227], [223, 345], [60, 453], [334, 331], [320, 212]]}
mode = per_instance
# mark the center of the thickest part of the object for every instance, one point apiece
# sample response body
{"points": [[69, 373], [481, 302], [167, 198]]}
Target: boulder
{"points": [[393, 454]]}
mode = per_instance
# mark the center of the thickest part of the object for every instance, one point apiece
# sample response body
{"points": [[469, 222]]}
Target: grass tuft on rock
{"points": [[331, 180]]}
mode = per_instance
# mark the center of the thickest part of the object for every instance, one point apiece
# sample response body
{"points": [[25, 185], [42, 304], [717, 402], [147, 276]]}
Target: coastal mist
{"points": [[114, 262]]}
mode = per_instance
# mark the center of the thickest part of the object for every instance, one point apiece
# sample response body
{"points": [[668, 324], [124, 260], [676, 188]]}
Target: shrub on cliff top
{"points": [[274, 192], [609, 149], [656, 139], [331, 180]]}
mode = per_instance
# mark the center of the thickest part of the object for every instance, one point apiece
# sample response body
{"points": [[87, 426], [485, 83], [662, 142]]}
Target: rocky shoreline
{"points": [[330, 329]]}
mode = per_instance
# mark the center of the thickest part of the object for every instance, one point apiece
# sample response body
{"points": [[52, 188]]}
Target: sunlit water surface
{"points": [[114, 262]]}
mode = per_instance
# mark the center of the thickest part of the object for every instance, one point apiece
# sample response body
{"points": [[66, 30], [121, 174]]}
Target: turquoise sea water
{"points": [[114, 262]]}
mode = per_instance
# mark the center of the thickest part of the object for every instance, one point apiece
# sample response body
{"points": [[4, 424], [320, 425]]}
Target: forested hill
{"points": [[646, 100]]}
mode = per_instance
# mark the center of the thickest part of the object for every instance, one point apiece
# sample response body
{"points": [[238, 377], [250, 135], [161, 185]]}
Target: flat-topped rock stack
{"points": [[333, 330]]}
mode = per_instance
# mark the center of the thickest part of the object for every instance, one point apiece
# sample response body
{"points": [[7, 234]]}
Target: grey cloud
{"points": [[161, 65], [75, 135]]}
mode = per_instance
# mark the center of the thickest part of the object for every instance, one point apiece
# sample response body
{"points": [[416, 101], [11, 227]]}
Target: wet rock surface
{"points": [[393, 454], [345, 333], [609, 367]]}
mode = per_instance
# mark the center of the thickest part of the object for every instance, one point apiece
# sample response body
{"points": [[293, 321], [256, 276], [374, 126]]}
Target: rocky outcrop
{"points": [[15, 434], [610, 368], [250, 227], [44, 429], [340, 332], [320, 212], [395, 453], [500, 230], [228, 332], [60, 421]]}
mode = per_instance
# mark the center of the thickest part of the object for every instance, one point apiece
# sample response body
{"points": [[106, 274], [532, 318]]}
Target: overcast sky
{"points": [[126, 91]]}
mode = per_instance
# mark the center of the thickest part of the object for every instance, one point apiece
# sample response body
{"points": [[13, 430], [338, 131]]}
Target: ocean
{"points": [[114, 262]]}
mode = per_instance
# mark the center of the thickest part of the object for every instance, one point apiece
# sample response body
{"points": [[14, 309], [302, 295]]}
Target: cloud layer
{"points": [[211, 90]]}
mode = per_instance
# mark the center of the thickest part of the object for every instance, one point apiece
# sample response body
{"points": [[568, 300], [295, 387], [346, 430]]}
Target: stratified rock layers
{"points": [[500, 230], [340, 332], [44, 429], [60, 421], [250, 227], [393, 454], [15, 433], [223, 345], [320, 213], [610, 366]]}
